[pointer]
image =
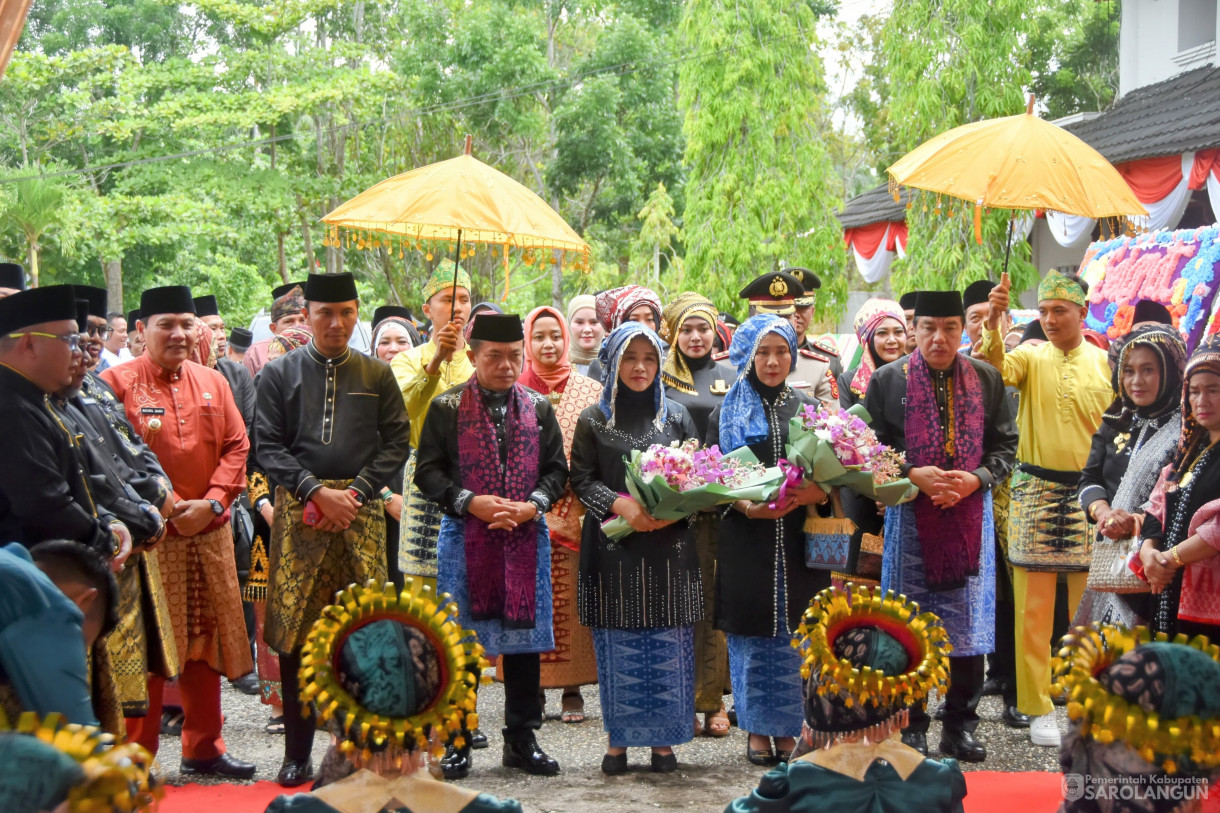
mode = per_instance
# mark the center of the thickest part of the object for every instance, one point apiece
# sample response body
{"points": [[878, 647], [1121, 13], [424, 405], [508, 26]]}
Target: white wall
{"points": [[1148, 44]]}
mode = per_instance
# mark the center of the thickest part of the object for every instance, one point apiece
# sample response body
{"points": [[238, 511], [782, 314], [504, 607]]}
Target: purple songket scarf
{"points": [[951, 538], [500, 564]]}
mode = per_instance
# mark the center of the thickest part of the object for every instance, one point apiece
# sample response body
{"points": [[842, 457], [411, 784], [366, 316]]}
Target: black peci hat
{"points": [[390, 311], [939, 304], [166, 299], [12, 275], [207, 305], [496, 327], [1149, 310], [280, 290], [907, 302], [133, 316], [1033, 330], [51, 303], [330, 288], [82, 315], [774, 292], [240, 338], [96, 298], [977, 293]]}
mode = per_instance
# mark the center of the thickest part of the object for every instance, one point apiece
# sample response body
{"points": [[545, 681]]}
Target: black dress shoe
{"points": [[763, 757], [992, 686], [783, 756], [1013, 718], [224, 765], [664, 763], [917, 740], [962, 746], [614, 765], [477, 739], [456, 763], [247, 684], [529, 757], [294, 773]]}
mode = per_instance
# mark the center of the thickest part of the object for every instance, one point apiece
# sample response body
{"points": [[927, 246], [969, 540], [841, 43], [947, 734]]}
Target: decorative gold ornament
{"points": [[778, 288]]}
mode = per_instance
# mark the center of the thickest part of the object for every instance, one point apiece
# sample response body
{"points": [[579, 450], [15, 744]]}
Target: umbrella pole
{"points": [[1007, 245], [456, 256]]}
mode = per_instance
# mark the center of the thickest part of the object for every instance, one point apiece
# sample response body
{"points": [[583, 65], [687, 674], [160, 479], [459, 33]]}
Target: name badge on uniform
{"points": [[719, 387], [87, 400], [152, 410], [207, 396], [799, 385]]}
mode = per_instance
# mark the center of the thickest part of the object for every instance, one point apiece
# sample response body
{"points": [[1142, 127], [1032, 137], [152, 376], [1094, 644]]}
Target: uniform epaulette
{"points": [[721, 356], [826, 345], [809, 354]]}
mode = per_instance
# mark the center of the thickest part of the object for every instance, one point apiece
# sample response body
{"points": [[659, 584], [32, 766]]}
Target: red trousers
{"points": [[199, 686]]}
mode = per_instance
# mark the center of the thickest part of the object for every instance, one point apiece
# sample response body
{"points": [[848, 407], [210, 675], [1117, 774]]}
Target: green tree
{"points": [[1074, 56], [32, 207], [656, 238], [760, 190]]}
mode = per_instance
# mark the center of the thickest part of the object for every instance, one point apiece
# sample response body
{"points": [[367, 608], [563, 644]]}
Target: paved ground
{"points": [[711, 771]]}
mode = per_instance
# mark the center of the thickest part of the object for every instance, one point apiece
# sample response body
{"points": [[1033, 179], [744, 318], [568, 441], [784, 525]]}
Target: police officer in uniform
{"points": [[776, 292], [820, 347]]}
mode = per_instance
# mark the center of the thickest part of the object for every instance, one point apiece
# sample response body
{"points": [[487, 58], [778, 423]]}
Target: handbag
{"points": [[828, 539], [1109, 572]]}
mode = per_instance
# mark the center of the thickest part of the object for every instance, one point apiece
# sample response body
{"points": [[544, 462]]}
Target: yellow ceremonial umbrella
{"points": [[1017, 162], [455, 200]]}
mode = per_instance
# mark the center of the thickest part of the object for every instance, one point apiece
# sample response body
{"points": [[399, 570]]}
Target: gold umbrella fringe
{"points": [[366, 732], [1084, 653], [412, 239], [118, 778], [856, 605]]}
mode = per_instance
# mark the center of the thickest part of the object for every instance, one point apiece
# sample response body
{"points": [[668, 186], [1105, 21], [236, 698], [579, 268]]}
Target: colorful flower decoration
{"points": [[854, 442], [686, 466], [833, 611], [1085, 654], [459, 654]]}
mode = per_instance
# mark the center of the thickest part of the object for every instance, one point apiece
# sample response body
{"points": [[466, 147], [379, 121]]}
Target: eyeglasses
{"points": [[100, 332], [72, 339]]}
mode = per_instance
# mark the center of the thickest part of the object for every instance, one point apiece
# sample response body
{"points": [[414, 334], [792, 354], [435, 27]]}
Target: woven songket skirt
{"points": [[967, 612], [647, 684], [1048, 530], [767, 687], [143, 640], [451, 578], [421, 523]]}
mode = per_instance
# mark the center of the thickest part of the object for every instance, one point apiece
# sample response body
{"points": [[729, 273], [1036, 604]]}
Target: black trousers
{"points": [[1002, 665], [522, 705], [298, 730], [962, 702]]}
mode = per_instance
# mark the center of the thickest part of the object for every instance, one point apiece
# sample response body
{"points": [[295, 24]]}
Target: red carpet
{"points": [[988, 792]]}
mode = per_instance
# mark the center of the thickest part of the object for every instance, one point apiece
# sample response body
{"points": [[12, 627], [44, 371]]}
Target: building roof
{"points": [[1166, 118], [875, 205]]}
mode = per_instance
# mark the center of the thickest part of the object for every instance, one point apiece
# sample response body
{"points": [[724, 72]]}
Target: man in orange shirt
{"points": [[186, 414]]}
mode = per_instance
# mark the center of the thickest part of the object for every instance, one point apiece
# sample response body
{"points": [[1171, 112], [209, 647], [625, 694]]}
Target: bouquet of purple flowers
{"points": [[680, 479], [836, 447]]}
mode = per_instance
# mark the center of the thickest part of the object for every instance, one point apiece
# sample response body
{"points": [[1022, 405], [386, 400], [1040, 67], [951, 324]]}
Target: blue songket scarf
{"points": [[611, 355], [742, 419]]}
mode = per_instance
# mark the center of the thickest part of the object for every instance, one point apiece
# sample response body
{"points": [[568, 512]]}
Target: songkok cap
{"points": [[167, 299], [82, 315], [939, 304], [331, 288], [907, 301], [281, 290], [240, 338], [206, 305], [809, 282], [292, 301], [1033, 331], [495, 327], [50, 303], [1057, 286], [442, 278], [387, 311], [133, 316], [12, 275], [1149, 310], [977, 293], [96, 297], [774, 292]]}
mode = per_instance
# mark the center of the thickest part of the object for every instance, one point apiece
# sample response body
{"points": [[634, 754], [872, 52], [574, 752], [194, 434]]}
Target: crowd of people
{"points": [[182, 503]]}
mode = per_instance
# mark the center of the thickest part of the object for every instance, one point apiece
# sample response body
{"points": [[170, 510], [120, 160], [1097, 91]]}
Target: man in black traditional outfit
{"points": [[331, 429], [491, 456], [948, 413], [44, 486], [207, 309]]}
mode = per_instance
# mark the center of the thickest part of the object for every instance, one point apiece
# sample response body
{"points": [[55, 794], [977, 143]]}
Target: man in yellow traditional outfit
{"points": [[423, 373], [1064, 388]]}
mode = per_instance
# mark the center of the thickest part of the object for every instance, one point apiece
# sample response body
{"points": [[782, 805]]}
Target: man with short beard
{"points": [[287, 310], [186, 414]]}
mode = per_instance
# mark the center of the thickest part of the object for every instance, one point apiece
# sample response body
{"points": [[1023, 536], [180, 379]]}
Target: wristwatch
{"points": [[217, 508]]}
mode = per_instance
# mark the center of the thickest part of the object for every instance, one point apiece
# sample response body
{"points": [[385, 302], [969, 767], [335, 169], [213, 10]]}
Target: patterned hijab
{"points": [[743, 421], [676, 370], [869, 318], [204, 351], [1167, 345], [533, 375], [1205, 359], [611, 356], [613, 306], [291, 339]]}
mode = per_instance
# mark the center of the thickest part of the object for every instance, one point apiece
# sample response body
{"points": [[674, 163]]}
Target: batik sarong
{"points": [[309, 566], [768, 692], [204, 600], [495, 638], [967, 612], [143, 640], [420, 526], [1048, 530], [647, 683]]}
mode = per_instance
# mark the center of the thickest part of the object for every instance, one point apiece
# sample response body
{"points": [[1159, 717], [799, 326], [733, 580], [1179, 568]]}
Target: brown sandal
{"points": [[717, 723]]}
